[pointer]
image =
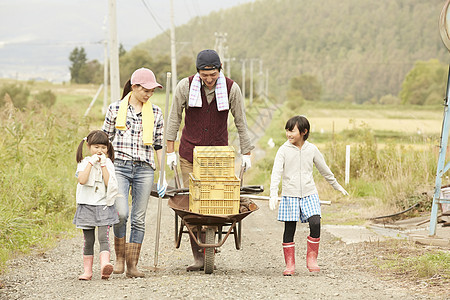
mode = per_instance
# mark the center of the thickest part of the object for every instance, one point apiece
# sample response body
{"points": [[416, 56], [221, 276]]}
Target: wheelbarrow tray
{"points": [[180, 204], [191, 220]]}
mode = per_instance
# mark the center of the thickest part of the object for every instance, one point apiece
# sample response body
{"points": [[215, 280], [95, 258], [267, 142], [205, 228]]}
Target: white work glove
{"points": [[246, 162], [273, 201], [171, 159], [94, 159], [162, 189], [102, 160], [343, 191]]}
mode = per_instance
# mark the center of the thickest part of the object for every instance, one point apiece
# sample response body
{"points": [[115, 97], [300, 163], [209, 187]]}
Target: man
{"points": [[206, 97]]}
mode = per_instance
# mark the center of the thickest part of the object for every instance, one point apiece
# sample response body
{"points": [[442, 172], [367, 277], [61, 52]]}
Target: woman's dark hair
{"points": [[95, 137], [302, 125], [126, 88]]}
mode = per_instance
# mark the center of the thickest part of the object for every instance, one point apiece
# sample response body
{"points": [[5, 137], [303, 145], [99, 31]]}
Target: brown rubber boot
{"points": [[119, 247], [132, 253], [199, 257], [88, 261], [105, 266], [289, 258], [311, 254]]}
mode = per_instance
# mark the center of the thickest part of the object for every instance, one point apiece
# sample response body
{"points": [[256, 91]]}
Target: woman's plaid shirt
{"points": [[128, 144]]}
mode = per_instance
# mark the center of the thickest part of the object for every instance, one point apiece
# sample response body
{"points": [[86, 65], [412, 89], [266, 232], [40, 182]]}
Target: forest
{"points": [[359, 51]]}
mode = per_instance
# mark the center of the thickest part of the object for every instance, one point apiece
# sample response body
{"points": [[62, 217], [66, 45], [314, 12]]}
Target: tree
{"points": [[122, 50], [425, 81], [307, 85], [78, 59], [91, 72], [132, 60]]}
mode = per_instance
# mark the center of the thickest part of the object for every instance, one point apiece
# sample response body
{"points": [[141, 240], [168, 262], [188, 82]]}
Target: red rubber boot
{"points": [[289, 258], [312, 253]]}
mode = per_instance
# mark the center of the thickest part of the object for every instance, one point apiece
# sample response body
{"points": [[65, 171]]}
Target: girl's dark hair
{"points": [[302, 125], [95, 137], [126, 88]]}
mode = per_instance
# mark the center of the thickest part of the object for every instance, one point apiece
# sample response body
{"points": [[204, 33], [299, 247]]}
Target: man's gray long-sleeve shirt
{"points": [[236, 104]]}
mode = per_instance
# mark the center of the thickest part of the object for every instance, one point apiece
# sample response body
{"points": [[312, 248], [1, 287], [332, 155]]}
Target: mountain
{"points": [[357, 49]]}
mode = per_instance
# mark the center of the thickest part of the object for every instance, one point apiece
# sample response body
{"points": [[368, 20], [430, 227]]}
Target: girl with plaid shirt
{"points": [[293, 165]]}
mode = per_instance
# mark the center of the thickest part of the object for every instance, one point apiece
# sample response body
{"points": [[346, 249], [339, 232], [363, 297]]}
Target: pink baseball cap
{"points": [[145, 78]]}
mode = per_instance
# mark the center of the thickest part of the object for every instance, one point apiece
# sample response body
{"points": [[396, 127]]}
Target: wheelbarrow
{"points": [[194, 224]]}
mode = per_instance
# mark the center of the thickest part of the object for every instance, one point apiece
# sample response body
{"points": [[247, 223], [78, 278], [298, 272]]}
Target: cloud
{"points": [[18, 40]]}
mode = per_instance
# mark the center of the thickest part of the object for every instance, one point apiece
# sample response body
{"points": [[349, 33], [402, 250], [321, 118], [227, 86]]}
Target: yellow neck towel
{"points": [[148, 119]]}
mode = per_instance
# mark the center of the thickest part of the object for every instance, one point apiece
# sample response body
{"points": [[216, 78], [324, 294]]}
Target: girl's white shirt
{"points": [[94, 191], [294, 167]]}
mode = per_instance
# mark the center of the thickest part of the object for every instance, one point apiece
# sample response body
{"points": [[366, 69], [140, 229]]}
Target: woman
{"points": [[135, 128]]}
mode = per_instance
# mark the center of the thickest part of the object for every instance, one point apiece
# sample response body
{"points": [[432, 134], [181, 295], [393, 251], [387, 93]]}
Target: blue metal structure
{"points": [[442, 167]]}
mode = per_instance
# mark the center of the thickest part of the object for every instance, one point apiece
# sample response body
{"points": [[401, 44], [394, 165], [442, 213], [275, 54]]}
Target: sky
{"points": [[37, 36]]}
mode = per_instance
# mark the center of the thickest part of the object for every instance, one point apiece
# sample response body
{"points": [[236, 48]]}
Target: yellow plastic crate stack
{"points": [[214, 188]]}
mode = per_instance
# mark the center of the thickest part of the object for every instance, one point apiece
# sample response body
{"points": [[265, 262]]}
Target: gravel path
{"points": [[254, 272]]}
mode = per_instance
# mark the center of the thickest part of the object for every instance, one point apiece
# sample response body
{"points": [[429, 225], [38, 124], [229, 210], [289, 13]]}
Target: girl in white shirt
{"points": [[96, 191], [293, 166]]}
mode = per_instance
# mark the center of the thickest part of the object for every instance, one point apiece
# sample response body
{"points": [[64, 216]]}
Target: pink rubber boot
{"points": [[88, 261], [312, 253], [289, 258], [105, 266]]}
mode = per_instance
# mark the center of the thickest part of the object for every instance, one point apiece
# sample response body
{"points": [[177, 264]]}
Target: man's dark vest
{"points": [[204, 126]]}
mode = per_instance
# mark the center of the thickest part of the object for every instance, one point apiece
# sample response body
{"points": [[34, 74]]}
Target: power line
{"points": [[188, 10], [196, 7], [154, 18], [51, 44]]}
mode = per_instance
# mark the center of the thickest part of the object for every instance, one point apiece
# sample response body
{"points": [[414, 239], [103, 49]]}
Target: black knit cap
{"points": [[208, 60]]}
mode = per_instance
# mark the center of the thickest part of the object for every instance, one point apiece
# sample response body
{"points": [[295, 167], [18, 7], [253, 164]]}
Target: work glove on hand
{"points": [[343, 191], [94, 159], [102, 160], [246, 162], [171, 159], [162, 189], [273, 201]]}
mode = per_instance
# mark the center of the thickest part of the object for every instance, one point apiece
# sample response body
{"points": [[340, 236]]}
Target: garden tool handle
{"points": [[241, 175], [177, 177]]}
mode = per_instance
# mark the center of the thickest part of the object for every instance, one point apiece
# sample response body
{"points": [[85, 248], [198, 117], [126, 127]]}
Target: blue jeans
{"points": [[139, 177]]}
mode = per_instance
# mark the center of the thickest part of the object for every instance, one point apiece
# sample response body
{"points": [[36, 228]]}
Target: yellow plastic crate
{"points": [[214, 197], [213, 162]]}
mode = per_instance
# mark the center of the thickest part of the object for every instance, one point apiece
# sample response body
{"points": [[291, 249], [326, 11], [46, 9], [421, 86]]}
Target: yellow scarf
{"points": [[148, 119]]}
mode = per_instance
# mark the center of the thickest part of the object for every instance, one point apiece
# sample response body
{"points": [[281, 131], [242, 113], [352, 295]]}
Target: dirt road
{"points": [[254, 272]]}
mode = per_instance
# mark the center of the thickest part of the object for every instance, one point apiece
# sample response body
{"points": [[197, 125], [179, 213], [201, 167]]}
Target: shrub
{"points": [[18, 93], [46, 98]]}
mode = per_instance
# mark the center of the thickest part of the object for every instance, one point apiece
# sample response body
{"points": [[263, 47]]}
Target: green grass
{"points": [[434, 265], [37, 154]]}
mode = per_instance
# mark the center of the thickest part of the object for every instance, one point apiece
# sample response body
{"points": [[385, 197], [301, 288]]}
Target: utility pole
{"points": [[105, 77], [243, 77], [105, 68], [114, 52], [260, 79], [221, 39], [173, 49], [251, 81], [267, 83], [229, 60]]}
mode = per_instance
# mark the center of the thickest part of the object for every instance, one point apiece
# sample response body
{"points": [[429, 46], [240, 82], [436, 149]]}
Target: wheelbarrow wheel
{"points": [[209, 252]]}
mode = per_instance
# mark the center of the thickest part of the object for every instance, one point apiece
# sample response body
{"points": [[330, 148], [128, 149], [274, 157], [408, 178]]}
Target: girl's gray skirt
{"points": [[91, 216]]}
